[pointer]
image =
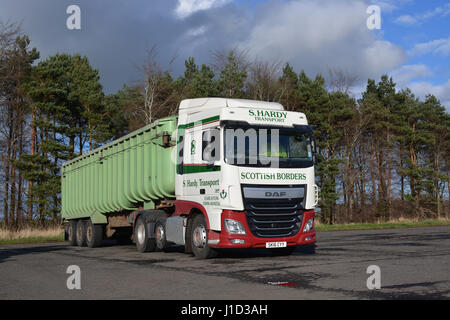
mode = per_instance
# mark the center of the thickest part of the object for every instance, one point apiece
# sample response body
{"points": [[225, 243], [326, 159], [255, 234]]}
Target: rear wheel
{"points": [[72, 233], [81, 233], [94, 234], [141, 237], [199, 239], [160, 235]]}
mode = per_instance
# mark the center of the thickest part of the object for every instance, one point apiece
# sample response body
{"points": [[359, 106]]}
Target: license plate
{"points": [[281, 244]]}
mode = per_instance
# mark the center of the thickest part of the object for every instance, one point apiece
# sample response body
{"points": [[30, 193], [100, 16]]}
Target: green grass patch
{"points": [[58, 238], [385, 225]]}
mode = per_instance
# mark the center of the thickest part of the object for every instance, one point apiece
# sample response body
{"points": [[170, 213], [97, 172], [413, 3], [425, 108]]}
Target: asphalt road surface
{"points": [[414, 264]]}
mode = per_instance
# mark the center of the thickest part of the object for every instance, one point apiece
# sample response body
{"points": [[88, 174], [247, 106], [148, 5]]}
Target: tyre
{"points": [[72, 233], [141, 237], [160, 235], [94, 234], [81, 233], [283, 251], [199, 239]]}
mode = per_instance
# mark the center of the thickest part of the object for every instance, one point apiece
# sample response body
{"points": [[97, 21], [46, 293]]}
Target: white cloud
{"points": [[390, 5], [406, 73], [439, 11], [318, 35], [382, 56], [439, 46], [406, 20], [186, 8], [412, 76], [195, 32], [442, 92], [419, 18]]}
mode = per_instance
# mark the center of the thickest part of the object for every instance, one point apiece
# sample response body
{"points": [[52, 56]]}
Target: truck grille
{"points": [[274, 218]]}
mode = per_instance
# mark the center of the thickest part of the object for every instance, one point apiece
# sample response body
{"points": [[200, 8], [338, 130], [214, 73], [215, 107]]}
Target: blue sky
{"points": [[422, 22], [413, 44]]}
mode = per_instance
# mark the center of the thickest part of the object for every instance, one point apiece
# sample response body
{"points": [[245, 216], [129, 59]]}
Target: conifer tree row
{"points": [[382, 154]]}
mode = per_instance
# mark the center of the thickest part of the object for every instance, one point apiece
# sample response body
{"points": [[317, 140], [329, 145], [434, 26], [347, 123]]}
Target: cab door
{"points": [[201, 172]]}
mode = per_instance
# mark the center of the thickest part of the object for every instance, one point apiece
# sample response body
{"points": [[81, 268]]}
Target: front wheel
{"points": [[199, 239]]}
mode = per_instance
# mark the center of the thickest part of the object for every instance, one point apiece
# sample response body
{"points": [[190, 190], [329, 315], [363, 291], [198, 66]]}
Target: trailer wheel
{"points": [[199, 239], [72, 233], [141, 237], [94, 234], [81, 233]]}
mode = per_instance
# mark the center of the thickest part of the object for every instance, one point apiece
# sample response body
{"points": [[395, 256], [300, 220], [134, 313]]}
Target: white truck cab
{"points": [[248, 167]]}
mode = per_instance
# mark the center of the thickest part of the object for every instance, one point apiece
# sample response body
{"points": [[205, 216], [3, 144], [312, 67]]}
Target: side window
{"points": [[180, 147], [211, 145], [180, 154]]}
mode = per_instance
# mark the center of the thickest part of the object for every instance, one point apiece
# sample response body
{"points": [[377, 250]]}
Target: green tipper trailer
{"points": [[131, 172]]}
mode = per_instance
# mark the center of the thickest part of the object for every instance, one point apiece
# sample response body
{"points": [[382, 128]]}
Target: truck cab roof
{"points": [[250, 111], [191, 106]]}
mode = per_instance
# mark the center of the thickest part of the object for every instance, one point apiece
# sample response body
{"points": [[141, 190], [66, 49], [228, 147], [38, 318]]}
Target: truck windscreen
{"points": [[269, 147]]}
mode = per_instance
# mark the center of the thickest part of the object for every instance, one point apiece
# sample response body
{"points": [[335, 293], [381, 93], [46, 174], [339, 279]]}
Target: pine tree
{"points": [[436, 124], [68, 101], [197, 82], [15, 73], [314, 101], [411, 140], [232, 78], [288, 88], [377, 105]]}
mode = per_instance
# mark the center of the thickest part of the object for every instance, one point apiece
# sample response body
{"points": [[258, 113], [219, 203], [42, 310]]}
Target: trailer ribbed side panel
{"points": [[121, 175]]}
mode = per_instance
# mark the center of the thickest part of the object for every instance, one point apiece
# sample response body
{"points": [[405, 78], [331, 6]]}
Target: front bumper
{"points": [[224, 239]]}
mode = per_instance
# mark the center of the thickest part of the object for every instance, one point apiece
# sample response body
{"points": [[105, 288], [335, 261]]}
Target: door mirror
{"points": [[314, 150]]}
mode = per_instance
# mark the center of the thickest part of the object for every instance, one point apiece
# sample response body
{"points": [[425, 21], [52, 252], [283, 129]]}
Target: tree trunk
{"points": [[5, 199], [414, 192], [20, 181], [389, 177], [12, 201], [7, 170], [436, 179], [372, 172], [32, 153]]}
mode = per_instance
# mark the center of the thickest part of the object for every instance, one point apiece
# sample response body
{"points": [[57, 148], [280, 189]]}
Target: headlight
{"points": [[309, 225], [233, 226]]}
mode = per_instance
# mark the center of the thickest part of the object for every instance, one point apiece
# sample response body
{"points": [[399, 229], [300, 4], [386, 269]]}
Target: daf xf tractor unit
{"points": [[223, 173]]}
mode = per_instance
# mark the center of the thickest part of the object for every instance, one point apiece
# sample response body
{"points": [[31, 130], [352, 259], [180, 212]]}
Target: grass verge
{"points": [[31, 235], [382, 225]]}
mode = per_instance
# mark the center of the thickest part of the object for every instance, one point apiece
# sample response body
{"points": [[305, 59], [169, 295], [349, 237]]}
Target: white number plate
{"points": [[276, 244]]}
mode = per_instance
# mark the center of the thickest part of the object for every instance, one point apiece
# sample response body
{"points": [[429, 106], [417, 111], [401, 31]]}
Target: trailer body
{"points": [[124, 175]]}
